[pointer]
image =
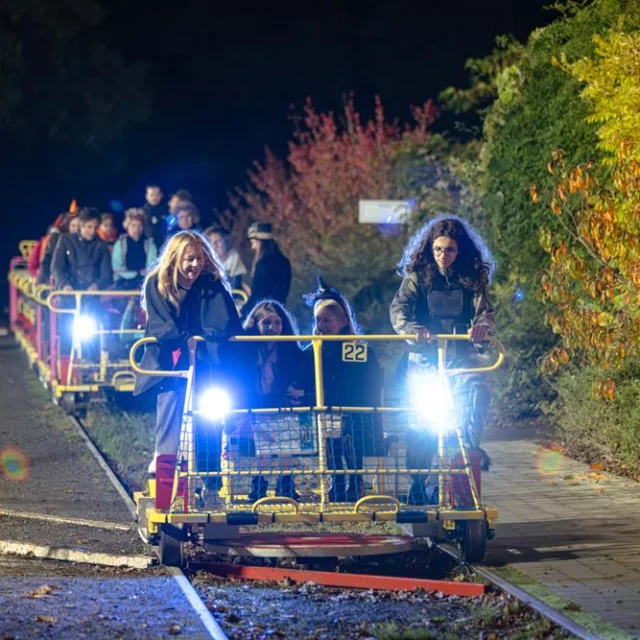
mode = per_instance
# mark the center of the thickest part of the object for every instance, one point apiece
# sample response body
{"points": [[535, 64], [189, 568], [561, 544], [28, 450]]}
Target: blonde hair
{"points": [[134, 214], [337, 309], [168, 266]]}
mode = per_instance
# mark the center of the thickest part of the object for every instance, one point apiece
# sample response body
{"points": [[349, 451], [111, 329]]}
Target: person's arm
{"points": [[118, 262], [106, 273], [404, 306], [160, 322], [152, 253], [483, 324], [59, 265]]}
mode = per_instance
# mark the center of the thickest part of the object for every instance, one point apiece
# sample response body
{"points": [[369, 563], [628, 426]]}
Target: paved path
{"points": [[53, 492], [572, 528]]}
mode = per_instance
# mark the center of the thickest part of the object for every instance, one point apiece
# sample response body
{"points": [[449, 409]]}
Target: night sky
{"points": [[223, 77]]}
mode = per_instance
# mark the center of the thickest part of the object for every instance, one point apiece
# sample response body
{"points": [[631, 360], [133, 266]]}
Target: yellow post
{"points": [[322, 442]]}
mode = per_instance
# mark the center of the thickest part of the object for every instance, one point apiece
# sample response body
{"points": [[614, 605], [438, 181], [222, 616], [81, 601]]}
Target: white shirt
{"points": [[233, 264]]}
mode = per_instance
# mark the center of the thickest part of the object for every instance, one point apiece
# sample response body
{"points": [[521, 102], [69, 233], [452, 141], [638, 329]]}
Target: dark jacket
{"points": [[288, 371], [271, 279], [446, 306], [208, 311], [348, 383], [44, 275], [155, 225], [81, 263]]}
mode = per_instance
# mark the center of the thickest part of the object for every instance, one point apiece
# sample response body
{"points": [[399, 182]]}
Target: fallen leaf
{"points": [[41, 592], [47, 619], [596, 466]]}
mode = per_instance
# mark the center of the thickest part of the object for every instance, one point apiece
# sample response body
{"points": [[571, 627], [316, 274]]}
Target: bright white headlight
{"points": [[431, 400], [84, 327], [215, 404]]}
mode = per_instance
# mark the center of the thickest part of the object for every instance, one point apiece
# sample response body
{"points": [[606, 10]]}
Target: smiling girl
{"points": [[184, 296]]}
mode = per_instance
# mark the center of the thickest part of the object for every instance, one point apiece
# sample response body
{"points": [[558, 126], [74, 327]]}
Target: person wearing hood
{"points": [[271, 270], [352, 377], [446, 270]]}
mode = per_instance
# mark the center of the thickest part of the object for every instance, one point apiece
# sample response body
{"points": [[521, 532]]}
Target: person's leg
{"points": [[169, 412], [354, 433], [337, 482]]}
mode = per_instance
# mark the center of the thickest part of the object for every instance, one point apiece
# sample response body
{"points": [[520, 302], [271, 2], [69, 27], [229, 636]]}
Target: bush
{"points": [[600, 431]]}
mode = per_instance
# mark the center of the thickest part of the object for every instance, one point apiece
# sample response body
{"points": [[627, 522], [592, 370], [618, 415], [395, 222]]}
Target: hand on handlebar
{"points": [[479, 333], [67, 287], [423, 335]]}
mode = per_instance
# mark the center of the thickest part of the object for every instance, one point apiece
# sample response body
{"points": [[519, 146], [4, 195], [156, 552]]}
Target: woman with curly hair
{"points": [[446, 270]]}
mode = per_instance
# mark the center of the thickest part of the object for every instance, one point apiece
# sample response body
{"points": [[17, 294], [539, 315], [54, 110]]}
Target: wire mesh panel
{"points": [[323, 460]]}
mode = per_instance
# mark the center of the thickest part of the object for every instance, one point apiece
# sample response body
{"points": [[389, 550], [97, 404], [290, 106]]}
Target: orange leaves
{"points": [[604, 389], [533, 193]]}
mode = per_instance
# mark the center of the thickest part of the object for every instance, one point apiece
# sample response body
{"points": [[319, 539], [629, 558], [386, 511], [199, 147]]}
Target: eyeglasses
{"points": [[450, 251]]}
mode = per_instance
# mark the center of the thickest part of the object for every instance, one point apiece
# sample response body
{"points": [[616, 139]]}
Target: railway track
{"points": [[209, 622], [215, 630]]}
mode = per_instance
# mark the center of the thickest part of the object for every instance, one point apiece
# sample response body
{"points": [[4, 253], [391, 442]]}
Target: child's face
{"points": [[88, 229], [218, 243], [445, 252], [134, 229], [185, 220], [192, 263], [328, 322], [153, 196], [270, 325], [107, 226], [74, 225]]}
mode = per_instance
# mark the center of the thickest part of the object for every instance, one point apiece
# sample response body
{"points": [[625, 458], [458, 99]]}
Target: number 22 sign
{"points": [[354, 352]]}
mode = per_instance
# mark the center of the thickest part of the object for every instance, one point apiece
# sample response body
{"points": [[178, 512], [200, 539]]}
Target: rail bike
{"points": [[206, 494]]}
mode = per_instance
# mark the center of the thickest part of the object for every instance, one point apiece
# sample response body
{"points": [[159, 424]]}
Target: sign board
{"points": [[384, 211]]}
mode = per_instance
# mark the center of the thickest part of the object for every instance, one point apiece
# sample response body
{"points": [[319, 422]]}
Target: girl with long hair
{"points": [[186, 295], [278, 370], [446, 270], [271, 270]]}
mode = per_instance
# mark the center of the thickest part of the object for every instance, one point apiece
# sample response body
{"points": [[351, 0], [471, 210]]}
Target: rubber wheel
{"points": [[474, 541], [171, 546], [68, 403]]}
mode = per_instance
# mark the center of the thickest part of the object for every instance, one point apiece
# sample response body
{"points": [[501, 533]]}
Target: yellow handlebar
{"points": [[78, 295], [442, 339], [240, 293], [26, 247]]}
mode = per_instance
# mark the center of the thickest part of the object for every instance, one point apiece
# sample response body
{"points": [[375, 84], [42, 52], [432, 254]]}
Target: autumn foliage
{"points": [[312, 197], [592, 287]]}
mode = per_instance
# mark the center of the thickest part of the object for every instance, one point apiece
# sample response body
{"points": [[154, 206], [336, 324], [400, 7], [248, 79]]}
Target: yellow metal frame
{"points": [[337, 514], [115, 374]]}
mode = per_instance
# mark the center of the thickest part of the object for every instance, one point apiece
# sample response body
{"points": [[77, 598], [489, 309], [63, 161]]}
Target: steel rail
{"points": [[214, 630], [525, 597]]}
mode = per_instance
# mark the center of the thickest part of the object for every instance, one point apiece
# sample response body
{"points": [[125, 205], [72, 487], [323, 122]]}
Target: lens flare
{"points": [[549, 462], [13, 464]]}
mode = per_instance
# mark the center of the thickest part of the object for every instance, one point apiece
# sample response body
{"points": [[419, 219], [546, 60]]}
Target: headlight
{"points": [[431, 400], [84, 328], [215, 404]]}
